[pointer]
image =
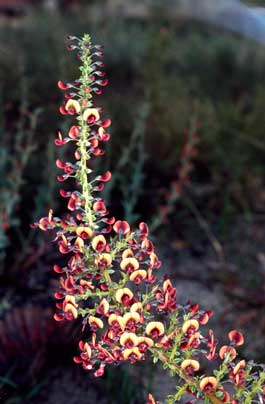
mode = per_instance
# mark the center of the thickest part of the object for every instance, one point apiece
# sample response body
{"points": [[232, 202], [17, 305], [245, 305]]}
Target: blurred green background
{"points": [[165, 75]]}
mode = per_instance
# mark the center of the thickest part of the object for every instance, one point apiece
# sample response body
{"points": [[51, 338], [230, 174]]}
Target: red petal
{"points": [[63, 249], [60, 163], [107, 230], [99, 188], [57, 269], [109, 220], [74, 132], [100, 371], [98, 152], [99, 206], [77, 359], [62, 85], [71, 204], [59, 142], [64, 193], [59, 295], [81, 345], [105, 177], [103, 83], [105, 137], [106, 123], [63, 111], [58, 317], [62, 178]]}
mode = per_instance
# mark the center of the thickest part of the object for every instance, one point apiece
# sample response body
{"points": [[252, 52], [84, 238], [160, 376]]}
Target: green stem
{"points": [[85, 132], [177, 369]]}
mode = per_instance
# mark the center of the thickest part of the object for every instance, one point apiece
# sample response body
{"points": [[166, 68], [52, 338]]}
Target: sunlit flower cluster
{"points": [[110, 277]]}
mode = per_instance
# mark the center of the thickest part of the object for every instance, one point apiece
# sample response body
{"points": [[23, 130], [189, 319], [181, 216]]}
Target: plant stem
{"points": [[164, 359], [85, 131]]}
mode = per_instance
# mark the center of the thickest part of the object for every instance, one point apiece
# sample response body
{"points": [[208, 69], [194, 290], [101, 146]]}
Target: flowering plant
{"points": [[110, 276]]}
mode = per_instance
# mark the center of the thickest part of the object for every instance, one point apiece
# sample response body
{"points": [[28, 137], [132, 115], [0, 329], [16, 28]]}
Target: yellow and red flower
{"points": [[122, 228], [155, 329], [128, 253], [132, 354], [84, 232], [190, 342], [238, 373], [190, 327], [130, 320], [144, 343], [208, 384], [88, 350], [103, 260], [91, 115], [129, 264], [129, 340], [138, 276], [72, 107], [124, 296], [167, 297], [211, 343], [86, 284], [70, 307], [227, 350], [85, 356], [99, 243], [46, 223], [116, 322], [236, 337], [154, 261], [189, 366], [95, 323], [79, 243], [166, 341], [103, 307], [136, 307]]}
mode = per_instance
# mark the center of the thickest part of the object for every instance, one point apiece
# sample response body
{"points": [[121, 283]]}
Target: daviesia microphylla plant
{"points": [[110, 277]]}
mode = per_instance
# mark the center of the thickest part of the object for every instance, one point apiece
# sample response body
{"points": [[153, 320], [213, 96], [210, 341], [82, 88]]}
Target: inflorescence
{"points": [[110, 276]]}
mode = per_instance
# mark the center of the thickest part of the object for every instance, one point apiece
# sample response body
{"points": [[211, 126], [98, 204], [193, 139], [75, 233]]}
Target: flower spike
{"points": [[110, 272]]}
